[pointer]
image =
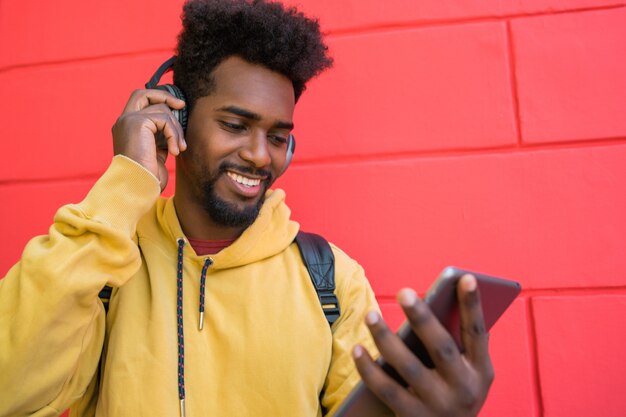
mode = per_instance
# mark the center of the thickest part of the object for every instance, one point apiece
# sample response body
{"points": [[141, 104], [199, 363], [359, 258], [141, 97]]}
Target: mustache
{"points": [[226, 166]]}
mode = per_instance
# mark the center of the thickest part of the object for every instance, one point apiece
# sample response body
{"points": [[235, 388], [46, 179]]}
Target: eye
{"points": [[278, 140], [232, 127]]}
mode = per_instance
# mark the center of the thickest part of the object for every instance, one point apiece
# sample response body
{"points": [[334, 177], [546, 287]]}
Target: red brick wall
{"points": [[489, 135]]}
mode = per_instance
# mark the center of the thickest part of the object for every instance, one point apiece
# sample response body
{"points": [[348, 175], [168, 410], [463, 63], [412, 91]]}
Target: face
{"points": [[237, 141]]}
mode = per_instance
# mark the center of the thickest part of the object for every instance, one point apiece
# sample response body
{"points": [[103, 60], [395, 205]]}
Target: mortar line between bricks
{"points": [[65, 179], [533, 293], [574, 292], [423, 24], [534, 357], [49, 180], [375, 159], [514, 84], [461, 152], [83, 59]]}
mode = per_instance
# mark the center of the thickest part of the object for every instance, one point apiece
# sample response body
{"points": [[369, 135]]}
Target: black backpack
{"points": [[319, 261]]}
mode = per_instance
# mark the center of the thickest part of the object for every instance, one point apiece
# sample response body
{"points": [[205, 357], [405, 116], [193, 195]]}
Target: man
{"points": [[224, 241]]}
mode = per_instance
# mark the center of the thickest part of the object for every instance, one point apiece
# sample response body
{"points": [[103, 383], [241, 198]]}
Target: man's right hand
{"points": [[147, 120]]}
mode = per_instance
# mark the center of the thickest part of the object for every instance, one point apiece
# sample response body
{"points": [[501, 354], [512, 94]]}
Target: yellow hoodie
{"points": [[265, 349]]}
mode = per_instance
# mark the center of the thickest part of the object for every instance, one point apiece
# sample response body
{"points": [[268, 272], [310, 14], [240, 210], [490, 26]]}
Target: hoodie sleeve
{"points": [[356, 299], [52, 322]]}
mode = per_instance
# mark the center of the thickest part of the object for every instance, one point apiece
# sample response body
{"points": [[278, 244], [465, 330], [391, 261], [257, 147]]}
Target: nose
{"points": [[256, 151]]}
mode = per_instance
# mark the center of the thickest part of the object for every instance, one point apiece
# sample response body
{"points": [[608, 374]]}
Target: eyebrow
{"points": [[253, 116]]}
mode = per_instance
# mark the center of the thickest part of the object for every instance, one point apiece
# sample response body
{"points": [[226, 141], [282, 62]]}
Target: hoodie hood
{"points": [[270, 234]]}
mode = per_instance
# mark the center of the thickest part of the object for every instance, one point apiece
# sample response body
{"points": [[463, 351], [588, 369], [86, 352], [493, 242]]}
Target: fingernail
{"points": [[407, 297], [357, 352], [372, 318], [468, 281]]}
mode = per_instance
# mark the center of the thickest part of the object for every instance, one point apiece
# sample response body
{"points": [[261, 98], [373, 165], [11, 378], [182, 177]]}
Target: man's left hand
{"points": [[458, 384]]}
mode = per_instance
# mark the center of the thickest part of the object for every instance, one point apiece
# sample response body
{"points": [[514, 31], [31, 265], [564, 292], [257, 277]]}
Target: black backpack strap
{"points": [[105, 297], [320, 262]]}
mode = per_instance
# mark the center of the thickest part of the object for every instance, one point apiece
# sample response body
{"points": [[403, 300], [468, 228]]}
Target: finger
{"points": [[438, 342], [399, 357], [172, 133], [163, 127], [473, 332], [182, 143], [169, 133], [140, 99], [384, 387], [163, 108], [162, 169]]}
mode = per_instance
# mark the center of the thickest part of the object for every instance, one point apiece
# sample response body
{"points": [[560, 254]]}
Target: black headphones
{"points": [[181, 115]]}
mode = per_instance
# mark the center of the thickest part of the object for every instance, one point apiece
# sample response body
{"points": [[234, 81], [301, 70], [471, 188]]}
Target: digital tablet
{"points": [[496, 295]]}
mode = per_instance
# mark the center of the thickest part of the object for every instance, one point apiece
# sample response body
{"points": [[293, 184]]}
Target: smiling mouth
{"points": [[243, 180]]}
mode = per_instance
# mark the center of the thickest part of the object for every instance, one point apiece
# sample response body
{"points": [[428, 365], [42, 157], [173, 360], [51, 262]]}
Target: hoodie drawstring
{"points": [[181, 337], [207, 263], [179, 310]]}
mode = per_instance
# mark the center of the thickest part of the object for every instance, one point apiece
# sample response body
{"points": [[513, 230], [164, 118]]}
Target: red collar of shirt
{"points": [[209, 247]]}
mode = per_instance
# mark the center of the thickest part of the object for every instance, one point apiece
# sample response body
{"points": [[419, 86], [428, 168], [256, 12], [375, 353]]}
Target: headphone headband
{"points": [[165, 67]]}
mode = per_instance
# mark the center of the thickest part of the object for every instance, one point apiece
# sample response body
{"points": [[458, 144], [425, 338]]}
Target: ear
{"points": [[291, 148]]}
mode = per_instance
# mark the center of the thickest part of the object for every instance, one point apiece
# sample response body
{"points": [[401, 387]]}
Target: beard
{"points": [[228, 214]]}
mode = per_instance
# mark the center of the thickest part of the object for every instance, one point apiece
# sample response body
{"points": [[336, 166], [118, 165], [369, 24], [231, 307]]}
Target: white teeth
{"points": [[248, 182]]}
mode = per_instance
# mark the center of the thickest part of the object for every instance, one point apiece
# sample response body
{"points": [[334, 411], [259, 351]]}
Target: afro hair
{"points": [[261, 32]]}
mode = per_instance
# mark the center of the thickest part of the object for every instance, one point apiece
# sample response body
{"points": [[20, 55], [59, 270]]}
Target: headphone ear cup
{"points": [[181, 115], [291, 149]]}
